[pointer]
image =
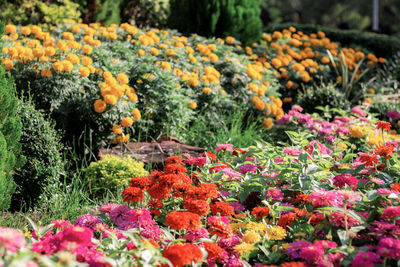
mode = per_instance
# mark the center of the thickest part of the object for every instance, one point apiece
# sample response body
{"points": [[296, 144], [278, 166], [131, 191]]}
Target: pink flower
{"points": [[294, 248], [153, 232], [391, 212], [324, 198], [60, 223], [337, 219], [201, 161], [224, 147], [342, 179], [365, 259], [292, 151], [278, 159], [377, 181], [232, 174], [323, 149], [389, 248], [312, 254], [87, 220], [275, 194], [11, 239], [196, 234], [106, 208], [248, 168], [358, 111]]}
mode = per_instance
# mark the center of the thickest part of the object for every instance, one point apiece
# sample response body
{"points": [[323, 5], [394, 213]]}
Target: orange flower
{"points": [[260, 212], [285, 220], [385, 151], [197, 206], [182, 220], [369, 159], [140, 182], [223, 208], [133, 194], [183, 254]]}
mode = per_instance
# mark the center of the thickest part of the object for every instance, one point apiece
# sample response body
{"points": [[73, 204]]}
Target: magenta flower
{"points": [[345, 179], [248, 168], [391, 212], [389, 248], [393, 115], [275, 194], [337, 219], [358, 111], [365, 259], [87, 220]]}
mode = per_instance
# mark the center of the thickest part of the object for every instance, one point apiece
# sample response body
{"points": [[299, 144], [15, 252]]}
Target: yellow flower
{"points": [[10, 28], [127, 121], [243, 248], [154, 51], [255, 226], [123, 78], [357, 131], [84, 71], [141, 52], [8, 64], [110, 99], [58, 66], [207, 90], [275, 233], [136, 114], [26, 30], [325, 60], [87, 49], [251, 237], [86, 60], [192, 104], [50, 51], [46, 73], [74, 59], [117, 129], [268, 123], [230, 40], [67, 65], [100, 106]]}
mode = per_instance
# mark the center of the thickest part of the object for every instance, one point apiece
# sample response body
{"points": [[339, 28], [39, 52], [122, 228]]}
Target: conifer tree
{"points": [[10, 133]]}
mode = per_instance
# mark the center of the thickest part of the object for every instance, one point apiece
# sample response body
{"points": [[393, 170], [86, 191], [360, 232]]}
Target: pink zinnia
{"points": [[224, 147], [11, 239], [365, 259], [389, 248], [312, 254], [391, 212], [359, 111], [201, 161], [292, 151], [342, 179], [275, 194], [337, 219], [324, 198]]}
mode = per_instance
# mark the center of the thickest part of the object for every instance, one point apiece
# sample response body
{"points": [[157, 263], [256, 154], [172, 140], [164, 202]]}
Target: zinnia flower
{"points": [[183, 254], [11, 239], [383, 125]]}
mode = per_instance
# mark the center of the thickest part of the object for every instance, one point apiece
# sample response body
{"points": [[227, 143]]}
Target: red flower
{"points": [[141, 182], [285, 220], [223, 208], [183, 254], [293, 264], [396, 187], [235, 152], [383, 125], [260, 212], [159, 191], [369, 159], [174, 160], [214, 251], [218, 227], [182, 220], [175, 169], [133, 194], [384, 151], [204, 192], [197, 206], [210, 155]]}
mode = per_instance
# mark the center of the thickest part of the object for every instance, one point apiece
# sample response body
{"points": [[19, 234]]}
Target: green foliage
{"points": [[322, 95], [145, 13], [109, 12], [38, 12], [10, 133], [240, 19], [381, 45], [112, 173], [42, 148]]}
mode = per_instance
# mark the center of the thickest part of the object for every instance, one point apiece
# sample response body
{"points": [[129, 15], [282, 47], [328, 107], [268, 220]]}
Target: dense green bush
{"points": [[142, 13], [322, 95], [381, 45], [25, 12], [10, 133], [112, 173], [240, 19], [42, 148]]}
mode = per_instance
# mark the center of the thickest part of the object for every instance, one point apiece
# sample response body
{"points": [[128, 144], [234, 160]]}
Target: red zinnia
{"points": [[133, 194], [175, 169], [141, 182], [385, 151], [396, 187], [383, 125], [197, 206], [241, 151], [285, 220], [182, 220], [218, 227], [369, 159], [214, 251], [174, 160], [210, 155], [159, 191], [183, 254], [260, 212], [293, 264], [223, 208]]}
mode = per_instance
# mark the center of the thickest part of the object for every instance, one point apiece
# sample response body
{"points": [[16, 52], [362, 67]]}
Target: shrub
{"points": [[240, 19], [39, 12], [112, 173], [10, 133], [322, 95], [42, 148], [381, 45]]}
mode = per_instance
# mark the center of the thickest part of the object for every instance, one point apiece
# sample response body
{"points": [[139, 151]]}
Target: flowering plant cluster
{"points": [[121, 80], [315, 202]]}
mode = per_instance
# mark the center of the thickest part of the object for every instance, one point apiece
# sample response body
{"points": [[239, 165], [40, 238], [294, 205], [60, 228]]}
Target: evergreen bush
{"points": [[10, 133], [42, 148]]}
